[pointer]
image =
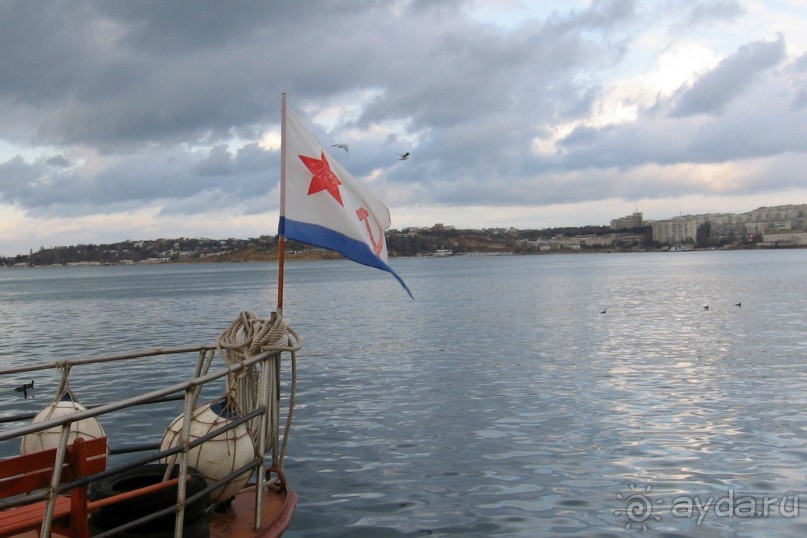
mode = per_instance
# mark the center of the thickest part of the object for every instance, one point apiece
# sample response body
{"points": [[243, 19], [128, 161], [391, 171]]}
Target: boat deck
{"points": [[237, 522], [239, 434]]}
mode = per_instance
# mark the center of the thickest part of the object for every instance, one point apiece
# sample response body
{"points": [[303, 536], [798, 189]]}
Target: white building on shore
{"points": [[779, 219], [629, 222]]}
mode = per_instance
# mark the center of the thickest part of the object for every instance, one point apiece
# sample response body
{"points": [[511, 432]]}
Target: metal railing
{"points": [[268, 362]]}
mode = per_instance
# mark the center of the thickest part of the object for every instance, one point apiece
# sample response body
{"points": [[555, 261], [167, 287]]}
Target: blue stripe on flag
{"points": [[352, 249]]}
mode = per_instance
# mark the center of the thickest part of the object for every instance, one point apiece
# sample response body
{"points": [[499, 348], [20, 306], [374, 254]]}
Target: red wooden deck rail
{"points": [[21, 475], [24, 474]]}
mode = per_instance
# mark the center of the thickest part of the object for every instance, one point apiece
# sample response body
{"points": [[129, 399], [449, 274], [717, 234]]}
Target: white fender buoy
{"points": [[88, 428], [219, 456]]}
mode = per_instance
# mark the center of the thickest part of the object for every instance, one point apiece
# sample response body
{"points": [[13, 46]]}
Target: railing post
{"points": [[55, 479], [263, 401], [185, 440], [275, 410]]}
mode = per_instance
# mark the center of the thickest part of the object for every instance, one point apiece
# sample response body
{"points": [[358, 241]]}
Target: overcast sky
{"points": [[139, 120]]}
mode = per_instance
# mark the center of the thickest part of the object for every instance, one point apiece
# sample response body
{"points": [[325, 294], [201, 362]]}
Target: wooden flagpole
{"points": [[281, 240]]}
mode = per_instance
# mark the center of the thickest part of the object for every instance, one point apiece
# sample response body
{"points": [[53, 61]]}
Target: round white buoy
{"points": [[219, 456], [88, 428]]}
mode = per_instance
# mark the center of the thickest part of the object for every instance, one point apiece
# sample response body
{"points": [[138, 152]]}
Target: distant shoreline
{"points": [[328, 256]]}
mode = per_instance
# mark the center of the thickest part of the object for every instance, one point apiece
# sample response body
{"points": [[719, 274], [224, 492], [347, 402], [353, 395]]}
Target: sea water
{"points": [[578, 395]]}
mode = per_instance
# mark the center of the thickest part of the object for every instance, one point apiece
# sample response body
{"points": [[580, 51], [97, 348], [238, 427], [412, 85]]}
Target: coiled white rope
{"points": [[246, 337]]}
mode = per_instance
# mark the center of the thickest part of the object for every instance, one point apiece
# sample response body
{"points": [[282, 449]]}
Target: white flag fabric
{"points": [[323, 205]]}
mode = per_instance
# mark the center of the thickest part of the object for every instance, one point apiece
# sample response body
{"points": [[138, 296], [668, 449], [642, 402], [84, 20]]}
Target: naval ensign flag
{"points": [[323, 205]]}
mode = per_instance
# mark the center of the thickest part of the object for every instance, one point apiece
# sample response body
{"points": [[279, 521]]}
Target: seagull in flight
{"points": [[342, 146], [403, 156]]}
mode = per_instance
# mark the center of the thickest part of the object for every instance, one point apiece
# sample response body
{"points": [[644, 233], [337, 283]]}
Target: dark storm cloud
{"points": [[479, 95], [176, 27], [742, 109], [712, 92], [156, 72], [40, 48], [58, 161], [122, 103], [124, 73], [141, 178], [459, 72], [705, 13]]}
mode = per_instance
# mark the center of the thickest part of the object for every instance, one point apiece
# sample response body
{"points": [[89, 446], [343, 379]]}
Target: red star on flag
{"points": [[324, 179]]}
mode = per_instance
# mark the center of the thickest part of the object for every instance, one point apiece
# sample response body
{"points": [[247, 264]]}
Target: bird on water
{"points": [[25, 387]]}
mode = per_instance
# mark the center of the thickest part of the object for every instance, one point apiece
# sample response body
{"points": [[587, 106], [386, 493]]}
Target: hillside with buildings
{"points": [[765, 227], [780, 225]]}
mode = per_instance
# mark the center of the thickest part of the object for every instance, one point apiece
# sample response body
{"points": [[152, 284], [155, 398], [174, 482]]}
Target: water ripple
{"points": [[501, 402]]}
